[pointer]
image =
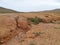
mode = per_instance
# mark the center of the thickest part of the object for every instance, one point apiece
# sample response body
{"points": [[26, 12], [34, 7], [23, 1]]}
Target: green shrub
{"points": [[32, 43], [37, 33], [35, 20]]}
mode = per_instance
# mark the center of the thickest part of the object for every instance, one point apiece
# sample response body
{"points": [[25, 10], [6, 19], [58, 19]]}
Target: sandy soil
{"points": [[41, 34]]}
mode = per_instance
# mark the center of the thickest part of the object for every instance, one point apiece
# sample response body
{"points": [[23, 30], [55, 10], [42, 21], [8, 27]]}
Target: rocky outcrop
{"points": [[22, 23], [10, 26]]}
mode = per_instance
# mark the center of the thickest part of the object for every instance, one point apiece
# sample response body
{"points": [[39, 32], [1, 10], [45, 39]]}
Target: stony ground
{"points": [[40, 34]]}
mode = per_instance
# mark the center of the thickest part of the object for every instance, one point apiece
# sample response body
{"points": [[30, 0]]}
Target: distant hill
{"points": [[55, 11], [5, 10]]}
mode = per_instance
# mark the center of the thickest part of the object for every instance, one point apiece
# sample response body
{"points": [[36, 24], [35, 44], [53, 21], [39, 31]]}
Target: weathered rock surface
{"points": [[10, 26]]}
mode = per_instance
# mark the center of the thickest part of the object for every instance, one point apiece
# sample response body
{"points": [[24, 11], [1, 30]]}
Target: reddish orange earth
{"points": [[40, 34]]}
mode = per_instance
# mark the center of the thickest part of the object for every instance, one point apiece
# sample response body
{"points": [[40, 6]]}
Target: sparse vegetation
{"points": [[57, 27], [32, 43], [46, 16], [37, 33], [35, 20], [57, 22]]}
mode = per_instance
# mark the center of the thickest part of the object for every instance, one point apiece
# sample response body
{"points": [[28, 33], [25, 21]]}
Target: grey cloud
{"points": [[57, 0]]}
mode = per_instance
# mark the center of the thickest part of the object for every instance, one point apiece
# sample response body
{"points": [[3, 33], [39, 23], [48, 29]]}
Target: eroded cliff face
{"points": [[10, 26]]}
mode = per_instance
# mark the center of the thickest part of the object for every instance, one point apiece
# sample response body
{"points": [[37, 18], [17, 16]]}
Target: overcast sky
{"points": [[30, 5]]}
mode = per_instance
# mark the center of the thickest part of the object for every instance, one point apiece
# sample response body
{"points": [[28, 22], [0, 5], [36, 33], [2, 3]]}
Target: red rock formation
{"points": [[10, 26], [23, 23]]}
